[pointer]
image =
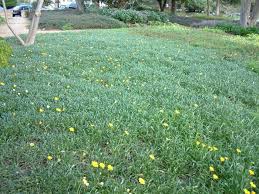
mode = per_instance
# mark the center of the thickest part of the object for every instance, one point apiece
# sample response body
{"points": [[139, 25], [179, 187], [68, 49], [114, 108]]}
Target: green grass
{"points": [[1, 20], [167, 86], [67, 20]]}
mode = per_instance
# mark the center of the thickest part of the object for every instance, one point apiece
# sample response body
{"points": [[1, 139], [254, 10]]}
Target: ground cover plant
{"points": [[68, 20], [164, 109]]}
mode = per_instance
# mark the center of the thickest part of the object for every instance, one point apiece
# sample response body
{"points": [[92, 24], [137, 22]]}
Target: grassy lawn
{"points": [[159, 103]]}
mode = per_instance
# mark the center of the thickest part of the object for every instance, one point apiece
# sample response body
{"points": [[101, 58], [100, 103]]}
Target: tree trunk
{"points": [[8, 24], [34, 24], [208, 7], [162, 4], [217, 7], [173, 7], [245, 12], [255, 14], [80, 6]]}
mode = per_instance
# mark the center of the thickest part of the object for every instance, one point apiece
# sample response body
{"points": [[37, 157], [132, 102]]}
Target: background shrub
{"points": [[9, 3], [5, 52], [237, 29]]}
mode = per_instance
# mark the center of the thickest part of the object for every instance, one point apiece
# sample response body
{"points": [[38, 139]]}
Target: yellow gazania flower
{"points": [[152, 157], [198, 142], [95, 164], [253, 192], [32, 144], [85, 182], [58, 109], [222, 159], [141, 181], [246, 191], [110, 167], [215, 148], [102, 165], [252, 184], [110, 125], [126, 132], [2, 83], [177, 112], [71, 129], [211, 168], [251, 172], [49, 157], [238, 150], [215, 177], [165, 125], [41, 110], [56, 98]]}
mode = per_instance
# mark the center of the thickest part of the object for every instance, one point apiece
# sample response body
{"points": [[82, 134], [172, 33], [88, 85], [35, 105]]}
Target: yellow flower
{"points": [[203, 145], [41, 110], [246, 191], [58, 109], [215, 148], [128, 190], [198, 142], [32, 144], [49, 157], [252, 184], [141, 181], [177, 112], [226, 158], [110, 167], [251, 172], [2, 83], [110, 125], [165, 125], [126, 132], [95, 164], [85, 182], [212, 169], [222, 159], [238, 150], [56, 98], [253, 192], [102, 165], [71, 129], [215, 177], [152, 157]]}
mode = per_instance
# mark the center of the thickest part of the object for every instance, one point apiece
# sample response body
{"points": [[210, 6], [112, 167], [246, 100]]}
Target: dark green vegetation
{"points": [[237, 29], [9, 3], [1, 20], [5, 52], [130, 93], [67, 20]]}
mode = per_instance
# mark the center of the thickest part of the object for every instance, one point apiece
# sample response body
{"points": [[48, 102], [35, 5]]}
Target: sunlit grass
{"points": [[143, 110]]}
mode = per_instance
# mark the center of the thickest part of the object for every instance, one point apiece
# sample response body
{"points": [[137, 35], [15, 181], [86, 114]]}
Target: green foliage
{"points": [[163, 88], [195, 5], [65, 20], [133, 16], [237, 29], [5, 53], [254, 66], [9, 3]]}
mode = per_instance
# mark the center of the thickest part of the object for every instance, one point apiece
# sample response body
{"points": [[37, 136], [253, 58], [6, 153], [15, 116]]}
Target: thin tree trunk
{"points": [[208, 7], [245, 12], [173, 7], [217, 7], [35, 23], [164, 5], [8, 24], [80, 6], [255, 14]]}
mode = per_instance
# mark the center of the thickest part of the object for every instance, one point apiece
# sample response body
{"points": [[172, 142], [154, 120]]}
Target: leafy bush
{"points": [[195, 5], [237, 29], [68, 19], [5, 52], [133, 16]]}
